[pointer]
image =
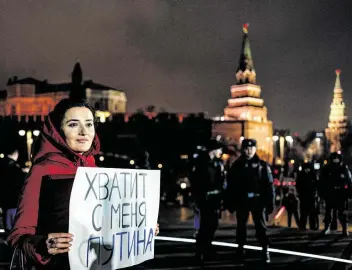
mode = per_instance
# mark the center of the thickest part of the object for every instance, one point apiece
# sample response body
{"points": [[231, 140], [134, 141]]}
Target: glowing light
{"points": [[267, 139], [183, 185], [320, 135], [225, 157], [241, 138], [184, 156], [325, 162], [278, 215], [275, 138], [317, 140], [289, 139], [101, 158], [160, 165], [300, 168], [102, 115], [292, 161], [132, 162], [2, 155], [36, 132], [22, 132]]}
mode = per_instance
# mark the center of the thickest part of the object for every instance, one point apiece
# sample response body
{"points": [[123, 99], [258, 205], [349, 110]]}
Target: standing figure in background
{"points": [[11, 181], [306, 185], [336, 188], [290, 201], [250, 189], [207, 180]]}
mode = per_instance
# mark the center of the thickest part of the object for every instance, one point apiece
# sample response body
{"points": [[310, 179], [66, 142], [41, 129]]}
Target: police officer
{"points": [[250, 189], [336, 188], [207, 181], [306, 185]]}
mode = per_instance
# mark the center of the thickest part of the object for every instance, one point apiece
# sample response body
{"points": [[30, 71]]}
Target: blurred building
{"points": [[337, 126], [30, 96], [246, 115]]}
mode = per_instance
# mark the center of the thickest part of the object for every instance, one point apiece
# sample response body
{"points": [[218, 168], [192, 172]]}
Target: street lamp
{"points": [[29, 141], [289, 139], [275, 138]]}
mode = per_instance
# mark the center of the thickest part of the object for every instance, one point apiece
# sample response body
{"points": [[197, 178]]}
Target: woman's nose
{"points": [[83, 130]]}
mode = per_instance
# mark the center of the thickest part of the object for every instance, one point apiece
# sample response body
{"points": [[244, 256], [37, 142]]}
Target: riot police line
{"points": [[244, 184]]}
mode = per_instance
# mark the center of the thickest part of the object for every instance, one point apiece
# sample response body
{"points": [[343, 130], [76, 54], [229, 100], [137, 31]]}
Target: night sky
{"points": [[181, 55]]}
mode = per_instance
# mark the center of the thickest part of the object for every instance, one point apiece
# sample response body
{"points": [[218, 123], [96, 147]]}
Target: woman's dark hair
{"points": [[58, 114]]}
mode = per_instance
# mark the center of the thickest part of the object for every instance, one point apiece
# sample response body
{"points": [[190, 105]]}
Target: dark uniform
{"points": [[290, 202], [336, 187], [306, 185], [250, 189], [207, 180]]}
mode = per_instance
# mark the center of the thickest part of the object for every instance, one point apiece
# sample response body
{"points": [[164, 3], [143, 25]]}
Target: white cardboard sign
{"points": [[113, 216]]}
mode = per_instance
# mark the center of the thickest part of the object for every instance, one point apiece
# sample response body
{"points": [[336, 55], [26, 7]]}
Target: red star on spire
{"points": [[338, 71], [245, 27]]}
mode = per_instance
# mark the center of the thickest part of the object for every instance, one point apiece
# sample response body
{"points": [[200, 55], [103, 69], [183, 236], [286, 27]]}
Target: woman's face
{"points": [[78, 128]]}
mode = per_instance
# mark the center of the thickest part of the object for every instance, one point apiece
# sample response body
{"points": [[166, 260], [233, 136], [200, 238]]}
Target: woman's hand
{"points": [[59, 243], [156, 229]]}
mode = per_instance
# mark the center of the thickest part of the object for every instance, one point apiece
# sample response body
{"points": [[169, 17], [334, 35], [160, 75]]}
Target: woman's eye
{"points": [[73, 125], [89, 124]]}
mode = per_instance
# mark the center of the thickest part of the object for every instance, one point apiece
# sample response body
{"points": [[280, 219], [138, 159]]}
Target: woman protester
{"points": [[68, 140]]}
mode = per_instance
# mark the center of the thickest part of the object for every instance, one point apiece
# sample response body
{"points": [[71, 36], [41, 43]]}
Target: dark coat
{"points": [[306, 184], [335, 182], [11, 182], [53, 160], [290, 202], [207, 181], [249, 176]]}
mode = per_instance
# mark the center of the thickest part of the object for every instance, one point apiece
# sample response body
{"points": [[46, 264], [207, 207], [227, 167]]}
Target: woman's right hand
{"points": [[59, 243]]}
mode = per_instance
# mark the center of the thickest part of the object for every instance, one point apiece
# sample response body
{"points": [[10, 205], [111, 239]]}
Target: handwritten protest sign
{"points": [[113, 216]]}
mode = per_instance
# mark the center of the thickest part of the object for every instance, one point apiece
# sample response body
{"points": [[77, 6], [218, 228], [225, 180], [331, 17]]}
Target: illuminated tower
{"points": [[245, 115], [337, 127]]}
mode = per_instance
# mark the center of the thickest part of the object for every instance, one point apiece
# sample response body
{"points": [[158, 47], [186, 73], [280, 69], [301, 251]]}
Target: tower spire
{"points": [[337, 82], [245, 72], [337, 127]]}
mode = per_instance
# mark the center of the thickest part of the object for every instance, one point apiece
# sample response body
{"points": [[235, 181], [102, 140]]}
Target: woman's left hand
{"points": [[156, 229]]}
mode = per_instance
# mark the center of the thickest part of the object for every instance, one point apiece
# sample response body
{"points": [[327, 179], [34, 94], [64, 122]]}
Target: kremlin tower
{"points": [[337, 127], [245, 115]]}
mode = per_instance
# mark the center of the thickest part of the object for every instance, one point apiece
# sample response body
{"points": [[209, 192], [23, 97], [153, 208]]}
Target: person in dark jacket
{"points": [[207, 181], [306, 185], [290, 201], [68, 140], [336, 189], [11, 182], [250, 189]]}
